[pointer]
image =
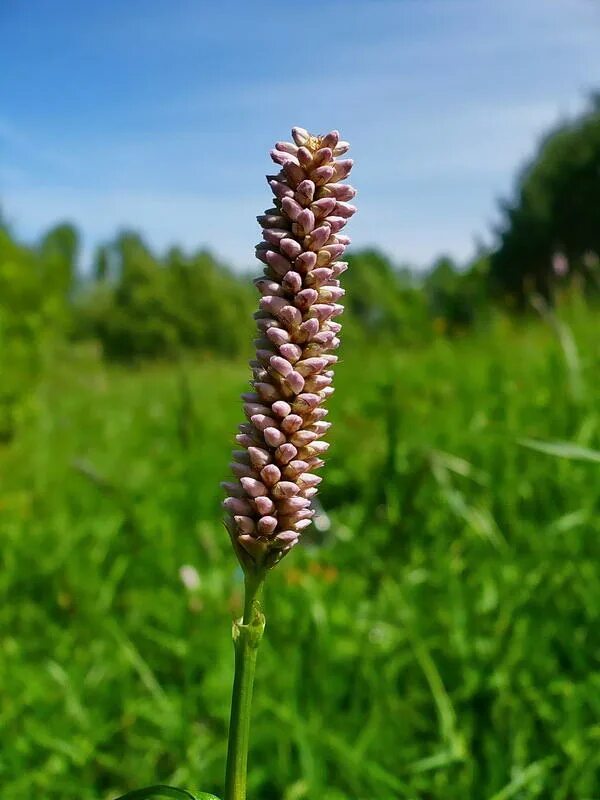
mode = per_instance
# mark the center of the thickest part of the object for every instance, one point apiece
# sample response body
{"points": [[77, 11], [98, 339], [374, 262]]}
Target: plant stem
{"points": [[247, 634]]}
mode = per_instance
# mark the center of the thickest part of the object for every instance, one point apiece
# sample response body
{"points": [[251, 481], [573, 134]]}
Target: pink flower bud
{"points": [[244, 439], [268, 393], [295, 381], [317, 382], [294, 173], [322, 175], [260, 421], [259, 457], [308, 480], [271, 220], [294, 469], [272, 303], [291, 208], [321, 208], [305, 191], [300, 136], [292, 282], [245, 524], [270, 474], [309, 328], [291, 423], [302, 438], [264, 505], [310, 493], [280, 365], [331, 139], [306, 220], [285, 453], [306, 261], [285, 489], [305, 402], [241, 470], [329, 294], [345, 210], [286, 147], [237, 506], [334, 250], [342, 169], [338, 268], [336, 223], [281, 189], [290, 247], [287, 538], [321, 311], [318, 448], [319, 236], [278, 336], [322, 157], [255, 408], [253, 488], [291, 352], [341, 191], [290, 315], [291, 504], [306, 298], [273, 437], [277, 261], [267, 287], [282, 158], [318, 276], [304, 157], [340, 148], [266, 525], [309, 366], [281, 408]]}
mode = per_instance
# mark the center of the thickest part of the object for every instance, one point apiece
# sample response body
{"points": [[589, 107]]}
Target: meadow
{"points": [[434, 637]]}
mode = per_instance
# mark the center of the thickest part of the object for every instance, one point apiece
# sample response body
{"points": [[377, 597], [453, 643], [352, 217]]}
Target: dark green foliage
{"points": [[556, 211], [137, 305], [457, 298], [141, 306], [34, 313], [383, 303], [446, 608]]}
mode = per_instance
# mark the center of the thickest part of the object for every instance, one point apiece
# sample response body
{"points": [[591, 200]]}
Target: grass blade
{"points": [[568, 450], [165, 791]]}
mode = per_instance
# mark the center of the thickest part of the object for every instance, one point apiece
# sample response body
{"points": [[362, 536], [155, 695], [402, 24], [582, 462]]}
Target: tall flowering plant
{"points": [[281, 445]]}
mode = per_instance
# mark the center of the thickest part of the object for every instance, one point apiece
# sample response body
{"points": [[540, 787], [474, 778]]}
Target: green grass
{"points": [[447, 609]]}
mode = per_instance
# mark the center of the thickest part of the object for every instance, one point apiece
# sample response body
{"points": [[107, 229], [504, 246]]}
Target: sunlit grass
{"points": [[446, 606]]}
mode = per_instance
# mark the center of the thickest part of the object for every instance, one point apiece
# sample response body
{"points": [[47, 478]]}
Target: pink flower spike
{"points": [[268, 503]]}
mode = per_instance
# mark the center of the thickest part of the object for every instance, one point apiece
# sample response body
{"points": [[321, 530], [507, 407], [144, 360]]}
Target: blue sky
{"points": [[158, 114]]}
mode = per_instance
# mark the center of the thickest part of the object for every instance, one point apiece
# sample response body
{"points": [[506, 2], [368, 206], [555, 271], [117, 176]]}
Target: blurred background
{"points": [[436, 634]]}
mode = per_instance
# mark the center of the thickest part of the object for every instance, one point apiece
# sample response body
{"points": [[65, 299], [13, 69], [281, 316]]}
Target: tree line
{"points": [[138, 304]]}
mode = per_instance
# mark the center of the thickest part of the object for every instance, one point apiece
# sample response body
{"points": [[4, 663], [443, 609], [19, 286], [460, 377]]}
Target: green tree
{"points": [[556, 211]]}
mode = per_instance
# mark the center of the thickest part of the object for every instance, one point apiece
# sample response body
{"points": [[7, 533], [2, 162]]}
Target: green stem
{"points": [[247, 634]]}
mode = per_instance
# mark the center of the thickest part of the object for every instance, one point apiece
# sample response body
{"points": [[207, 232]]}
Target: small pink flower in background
{"points": [[189, 577], [560, 264]]}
